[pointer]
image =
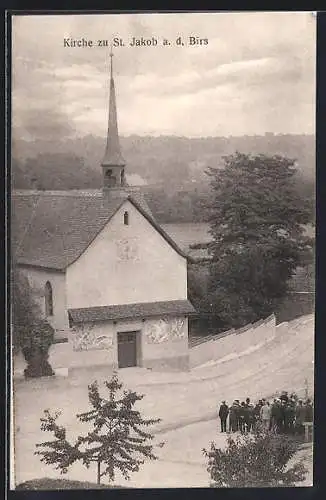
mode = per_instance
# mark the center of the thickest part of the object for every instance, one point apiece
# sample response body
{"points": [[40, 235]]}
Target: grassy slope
{"points": [[61, 484]]}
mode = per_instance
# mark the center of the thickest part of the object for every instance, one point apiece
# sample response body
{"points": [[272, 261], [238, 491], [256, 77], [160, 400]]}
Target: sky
{"points": [[255, 75]]}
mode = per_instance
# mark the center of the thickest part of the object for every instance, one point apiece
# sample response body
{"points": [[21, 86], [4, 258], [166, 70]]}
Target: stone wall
{"points": [[295, 305], [233, 341]]}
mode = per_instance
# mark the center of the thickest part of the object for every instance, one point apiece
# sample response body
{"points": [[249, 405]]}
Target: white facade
{"points": [[126, 264], [162, 343]]}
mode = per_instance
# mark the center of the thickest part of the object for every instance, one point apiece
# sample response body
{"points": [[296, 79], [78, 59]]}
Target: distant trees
{"points": [[256, 222], [176, 164], [30, 332], [55, 171], [116, 441], [176, 203]]}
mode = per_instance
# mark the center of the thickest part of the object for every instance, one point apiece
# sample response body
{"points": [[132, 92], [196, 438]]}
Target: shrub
{"points": [[258, 460], [36, 350], [30, 332]]}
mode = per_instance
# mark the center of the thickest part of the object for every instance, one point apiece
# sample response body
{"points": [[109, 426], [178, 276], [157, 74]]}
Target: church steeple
{"points": [[113, 163]]}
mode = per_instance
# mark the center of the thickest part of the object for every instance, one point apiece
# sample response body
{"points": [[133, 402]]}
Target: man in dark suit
{"points": [[249, 415], [223, 414]]}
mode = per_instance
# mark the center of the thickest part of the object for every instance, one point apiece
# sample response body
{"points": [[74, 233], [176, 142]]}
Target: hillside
{"points": [[172, 169]]}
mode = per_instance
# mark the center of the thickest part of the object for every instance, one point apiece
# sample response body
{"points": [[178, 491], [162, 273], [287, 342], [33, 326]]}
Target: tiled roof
{"points": [[52, 229], [131, 311]]}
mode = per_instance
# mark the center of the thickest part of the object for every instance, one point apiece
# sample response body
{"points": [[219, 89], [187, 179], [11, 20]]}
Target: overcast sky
{"points": [[256, 75]]}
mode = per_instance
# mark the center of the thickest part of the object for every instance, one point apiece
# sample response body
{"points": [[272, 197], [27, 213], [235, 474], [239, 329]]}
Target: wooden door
{"points": [[127, 349]]}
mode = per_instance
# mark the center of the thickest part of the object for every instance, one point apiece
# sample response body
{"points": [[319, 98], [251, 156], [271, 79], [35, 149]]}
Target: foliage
{"points": [[36, 350], [177, 202], [257, 460], [30, 333], [257, 228], [117, 440], [24, 309], [197, 275], [198, 278]]}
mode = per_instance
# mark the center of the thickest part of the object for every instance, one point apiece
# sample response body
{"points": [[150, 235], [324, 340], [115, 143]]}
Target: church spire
{"points": [[113, 163]]}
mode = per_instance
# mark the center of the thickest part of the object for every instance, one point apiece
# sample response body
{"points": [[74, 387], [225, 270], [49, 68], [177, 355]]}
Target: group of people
{"points": [[285, 414]]}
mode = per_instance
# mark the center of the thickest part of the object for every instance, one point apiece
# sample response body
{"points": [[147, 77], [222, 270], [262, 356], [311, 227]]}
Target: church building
{"points": [[106, 275]]}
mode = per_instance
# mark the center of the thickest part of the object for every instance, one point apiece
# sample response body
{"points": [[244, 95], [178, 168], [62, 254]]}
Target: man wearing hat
{"points": [[223, 414], [233, 417], [284, 397]]}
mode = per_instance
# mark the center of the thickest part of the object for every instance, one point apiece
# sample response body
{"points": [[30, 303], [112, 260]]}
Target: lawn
{"points": [[61, 484]]}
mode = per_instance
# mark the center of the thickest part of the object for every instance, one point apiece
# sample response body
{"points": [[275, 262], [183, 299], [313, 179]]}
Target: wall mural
{"points": [[178, 330], [127, 250], [164, 329], [85, 339], [157, 332]]}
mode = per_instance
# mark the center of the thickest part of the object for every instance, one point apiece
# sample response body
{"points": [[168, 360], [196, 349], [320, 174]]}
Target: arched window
{"points": [[48, 299], [126, 219], [110, 178]]}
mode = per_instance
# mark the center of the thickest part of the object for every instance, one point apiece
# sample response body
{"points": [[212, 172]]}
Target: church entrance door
{"points": [[127, 349]]}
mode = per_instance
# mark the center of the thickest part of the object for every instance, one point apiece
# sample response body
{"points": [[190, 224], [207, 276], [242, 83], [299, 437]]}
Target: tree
{"points": [[257, 460], [117, 440], [198, 278], [59, 170], [30, 332], [256, 222]]}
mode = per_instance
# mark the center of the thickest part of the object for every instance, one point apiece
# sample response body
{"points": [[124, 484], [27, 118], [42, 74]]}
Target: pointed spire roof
{"points": [[113, 154]]}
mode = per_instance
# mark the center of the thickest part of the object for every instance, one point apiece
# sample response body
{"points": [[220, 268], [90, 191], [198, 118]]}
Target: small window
{"points": [[108, 173], [122, 177], [48, 299], [126, 219]]}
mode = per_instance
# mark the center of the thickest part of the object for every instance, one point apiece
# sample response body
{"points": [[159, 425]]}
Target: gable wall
{"points": [[107, 274]]}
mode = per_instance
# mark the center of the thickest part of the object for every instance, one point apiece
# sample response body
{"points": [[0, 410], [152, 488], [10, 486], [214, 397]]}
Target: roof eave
{"points": [[57, 269], [85, 315]]}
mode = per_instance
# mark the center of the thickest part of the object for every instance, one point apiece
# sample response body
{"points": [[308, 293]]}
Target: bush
{"points": [[36, 350], [258, 460], [30, 332]]}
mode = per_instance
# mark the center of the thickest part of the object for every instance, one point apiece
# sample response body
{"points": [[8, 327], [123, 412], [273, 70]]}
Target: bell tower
{"points": [[113, 164]]}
